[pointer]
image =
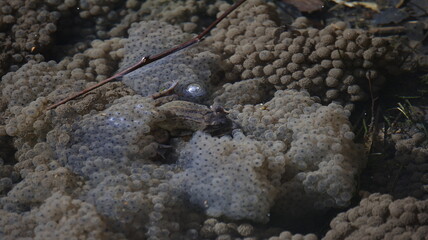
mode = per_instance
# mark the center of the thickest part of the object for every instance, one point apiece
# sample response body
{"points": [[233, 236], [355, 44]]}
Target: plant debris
{"points": [[370, 5], [390, 15], [307, 6]]}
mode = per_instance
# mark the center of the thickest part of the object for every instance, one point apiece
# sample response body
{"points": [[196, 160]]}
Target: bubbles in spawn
{"points": [[195, 89], [194, 92]]}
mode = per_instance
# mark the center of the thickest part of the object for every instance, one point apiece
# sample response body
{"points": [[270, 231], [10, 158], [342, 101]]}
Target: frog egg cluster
{"points": [[57, 218], [237, 30], [190, 68], [29, 28], [29, 90], [213, 228], [185, 11], [232, 177], [28, 120], [114, 151], [321, 151], [381, 217], [29, 82], [267, 121], [11, 225], [121, 131], [37, 186], [32, 157], [332, 157], [250, 91], [134, 196], [8, 176], [26, 30], [335, 63], [99, 16], [413, 179], [411, 154], [286, 235], [61, 219], [52, 79], [36, 174], [350, 62], [148, 38]]}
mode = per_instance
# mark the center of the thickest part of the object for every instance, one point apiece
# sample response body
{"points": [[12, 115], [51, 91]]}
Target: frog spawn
{"points": [[115, 151], [193, 69]]}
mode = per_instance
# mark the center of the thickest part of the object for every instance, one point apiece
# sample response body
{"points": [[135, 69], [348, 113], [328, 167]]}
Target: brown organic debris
{"points": [[306, 5], [370, 5]]}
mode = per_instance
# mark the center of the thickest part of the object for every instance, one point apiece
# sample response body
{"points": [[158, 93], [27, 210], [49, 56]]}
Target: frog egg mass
{"points": [[192, 68], [117, 164]]}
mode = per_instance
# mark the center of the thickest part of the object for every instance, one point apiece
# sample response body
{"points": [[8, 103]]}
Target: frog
{"points": [[182, 118]]}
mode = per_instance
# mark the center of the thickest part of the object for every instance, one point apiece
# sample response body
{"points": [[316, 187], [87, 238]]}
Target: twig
{"points": [[149, 59], [400, 3], [164, 92], [387, 30]]}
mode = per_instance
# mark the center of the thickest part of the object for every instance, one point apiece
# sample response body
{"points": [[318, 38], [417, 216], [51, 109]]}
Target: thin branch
{"points": [[149, 59], [165, 92], [394, 30]]}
